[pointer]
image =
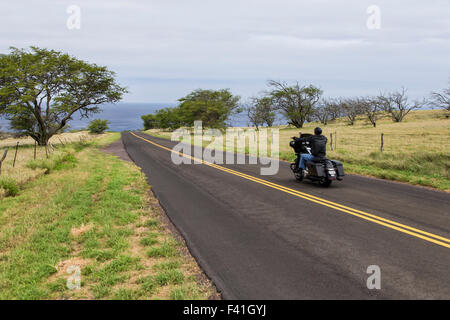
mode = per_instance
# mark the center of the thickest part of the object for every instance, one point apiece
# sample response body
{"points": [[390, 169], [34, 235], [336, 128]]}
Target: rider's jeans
{"points": [[305, 157]]}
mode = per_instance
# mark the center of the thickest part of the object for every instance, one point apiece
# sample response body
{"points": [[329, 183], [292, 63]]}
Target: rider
{"points": [[318, 144]]}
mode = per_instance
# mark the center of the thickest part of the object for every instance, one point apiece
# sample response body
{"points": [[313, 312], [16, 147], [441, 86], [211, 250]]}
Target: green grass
{"points": [[148, 241], [171, 276], [185, 292], [10, 186], [166, 250], [90, 210], [169, 265]]}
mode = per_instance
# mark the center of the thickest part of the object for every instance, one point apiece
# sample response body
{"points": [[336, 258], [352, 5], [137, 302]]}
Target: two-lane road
{"points": [[270, 237]]}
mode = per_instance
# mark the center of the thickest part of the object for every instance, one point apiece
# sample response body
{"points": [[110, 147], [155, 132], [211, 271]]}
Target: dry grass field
{"points": [[416, 150], [26, 168]]}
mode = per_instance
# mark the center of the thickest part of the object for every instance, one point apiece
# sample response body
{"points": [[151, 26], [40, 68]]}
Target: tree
{"points": [[261, 111], [322, 111], [351, 109], [334, 109], [295, 102], [41, 90], [265, 107], [441, 99], [98, 126], [396, 104], [372, 107], [168, 118], [254, 116], [150, 121], [212, 107]]}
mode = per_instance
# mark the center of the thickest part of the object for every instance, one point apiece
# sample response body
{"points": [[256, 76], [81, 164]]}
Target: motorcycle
{"points": [[324, 171]]}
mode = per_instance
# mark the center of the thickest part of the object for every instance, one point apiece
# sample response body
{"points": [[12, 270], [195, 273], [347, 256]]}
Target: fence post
{"points": [[3, 158], [35, 145], [382, 142], [331, 141], [335, 140], [15, 154]]}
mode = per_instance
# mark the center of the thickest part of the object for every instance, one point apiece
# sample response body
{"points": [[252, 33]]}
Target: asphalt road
{"points": [[277, 238]]}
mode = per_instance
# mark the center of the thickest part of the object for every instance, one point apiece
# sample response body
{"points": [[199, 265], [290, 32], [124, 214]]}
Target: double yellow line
{"points": [[430, 237]]}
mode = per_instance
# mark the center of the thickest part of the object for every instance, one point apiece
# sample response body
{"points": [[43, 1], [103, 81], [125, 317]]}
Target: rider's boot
{"points": [[305, 171]]}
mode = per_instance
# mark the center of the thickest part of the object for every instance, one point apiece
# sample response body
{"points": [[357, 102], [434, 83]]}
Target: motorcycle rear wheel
{"points": [[325, 183], [298, 176]]}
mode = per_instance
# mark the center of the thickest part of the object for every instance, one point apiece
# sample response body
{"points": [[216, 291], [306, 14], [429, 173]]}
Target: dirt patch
{"points": [[64, 265], [76, 232], [116, 148]]}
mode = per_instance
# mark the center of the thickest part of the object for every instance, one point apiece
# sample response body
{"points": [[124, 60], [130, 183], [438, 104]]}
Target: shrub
{"points": [[61, 161], [10, 186], [98, 126], [150, 121]]}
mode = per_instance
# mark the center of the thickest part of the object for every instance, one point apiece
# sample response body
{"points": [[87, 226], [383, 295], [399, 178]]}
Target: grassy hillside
{"points": [[91, 211], [416, 151]]}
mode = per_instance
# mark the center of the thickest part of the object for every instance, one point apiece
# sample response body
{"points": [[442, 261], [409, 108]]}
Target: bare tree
{"points": [[351, 108], [322, 111], [334, 109], [260, 111], [373, 108], [441, 99], [295, 102], [397, 105]]}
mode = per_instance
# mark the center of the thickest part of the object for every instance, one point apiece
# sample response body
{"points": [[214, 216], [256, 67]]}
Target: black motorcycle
{"points": [[324, 171]]}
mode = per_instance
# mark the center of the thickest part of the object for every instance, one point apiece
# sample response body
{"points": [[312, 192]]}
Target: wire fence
{"points": [[13, 151], [390, 142]]}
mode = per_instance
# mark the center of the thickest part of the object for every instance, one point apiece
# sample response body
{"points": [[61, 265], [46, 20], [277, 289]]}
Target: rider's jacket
{"points": [[318, 144]]}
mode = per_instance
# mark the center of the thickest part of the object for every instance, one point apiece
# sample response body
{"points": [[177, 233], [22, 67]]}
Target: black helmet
{"points": [[317, 131]]}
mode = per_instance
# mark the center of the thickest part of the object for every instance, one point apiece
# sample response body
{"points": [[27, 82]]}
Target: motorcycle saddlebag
{"points": [[316, 169], [339, 168]]}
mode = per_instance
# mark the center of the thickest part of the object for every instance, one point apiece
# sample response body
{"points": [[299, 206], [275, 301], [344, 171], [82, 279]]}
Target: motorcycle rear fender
{"points": [[339, 168]]}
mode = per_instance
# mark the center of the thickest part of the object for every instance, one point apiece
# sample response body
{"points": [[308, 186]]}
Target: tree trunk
{"points": [[41, 138], [297, 123], [42, 141]]}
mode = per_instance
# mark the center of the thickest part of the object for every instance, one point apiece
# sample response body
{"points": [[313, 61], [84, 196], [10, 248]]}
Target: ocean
{"points": [[127, 116]]}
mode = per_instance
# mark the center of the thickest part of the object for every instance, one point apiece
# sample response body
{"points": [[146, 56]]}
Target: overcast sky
{"points": [[161, 50]]}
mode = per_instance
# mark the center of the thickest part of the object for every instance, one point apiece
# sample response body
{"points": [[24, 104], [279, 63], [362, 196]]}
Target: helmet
{"points": [[317, 131]]}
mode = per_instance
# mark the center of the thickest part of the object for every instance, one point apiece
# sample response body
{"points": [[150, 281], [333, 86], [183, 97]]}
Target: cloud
{"points": [[163, 49]]}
